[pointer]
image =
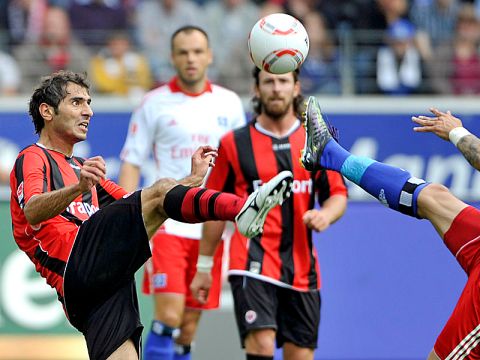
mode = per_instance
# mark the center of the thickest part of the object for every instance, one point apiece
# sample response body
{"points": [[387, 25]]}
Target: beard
{"points": [[276, 111]]}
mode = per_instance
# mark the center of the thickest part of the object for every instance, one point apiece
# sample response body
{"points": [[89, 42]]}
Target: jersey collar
{"points": [[264, 131], [174, 87]]}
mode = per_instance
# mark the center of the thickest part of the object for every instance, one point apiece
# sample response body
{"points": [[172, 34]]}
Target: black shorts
{"points": [[294, 315], [100, 298]]}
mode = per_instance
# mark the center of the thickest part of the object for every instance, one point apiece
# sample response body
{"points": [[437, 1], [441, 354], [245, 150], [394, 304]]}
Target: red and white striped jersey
{"points": [[283, 254], [39, 170]]}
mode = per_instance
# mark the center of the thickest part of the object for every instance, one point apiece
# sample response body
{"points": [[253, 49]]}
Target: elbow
{"points": [[31, 218], [31, 215]]}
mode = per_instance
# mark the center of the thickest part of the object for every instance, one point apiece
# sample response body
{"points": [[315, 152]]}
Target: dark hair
{"points": [[52, 90], [298, 102], [187, 29]]}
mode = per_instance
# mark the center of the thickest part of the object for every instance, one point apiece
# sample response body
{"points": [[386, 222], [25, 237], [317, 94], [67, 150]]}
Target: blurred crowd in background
{"points": [[393, 47]]}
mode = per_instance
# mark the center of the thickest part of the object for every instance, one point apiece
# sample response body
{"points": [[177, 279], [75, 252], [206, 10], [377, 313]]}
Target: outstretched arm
{"points": [[449, 128]]}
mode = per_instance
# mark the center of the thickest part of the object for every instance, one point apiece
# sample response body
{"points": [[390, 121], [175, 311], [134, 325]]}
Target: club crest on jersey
{"points": [[159, 281], [250, 316], [222, 121]]}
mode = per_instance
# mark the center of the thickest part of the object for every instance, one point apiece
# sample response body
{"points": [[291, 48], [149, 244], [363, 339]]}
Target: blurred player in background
{"points": [[86, 236], [456, 222], [173, 121], [275, 276]]}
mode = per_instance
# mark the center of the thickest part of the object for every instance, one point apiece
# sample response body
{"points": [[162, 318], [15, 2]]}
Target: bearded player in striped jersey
{"points": [[86, 236], [274, 276], [456, 222]]}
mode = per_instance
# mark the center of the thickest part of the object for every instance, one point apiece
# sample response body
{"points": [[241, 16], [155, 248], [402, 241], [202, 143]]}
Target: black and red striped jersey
{"points": [[283, 254], [39, 170]]}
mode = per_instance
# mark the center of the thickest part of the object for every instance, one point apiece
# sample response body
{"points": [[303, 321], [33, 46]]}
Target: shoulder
{"points": [[222, 91], [155, 97], [32, 155]]}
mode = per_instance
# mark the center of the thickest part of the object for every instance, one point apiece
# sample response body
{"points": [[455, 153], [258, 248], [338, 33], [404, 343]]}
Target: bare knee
{"points": [[153, 198], [260, 342], [170, 317], [431, 197], [188, 330], [156, 193]]}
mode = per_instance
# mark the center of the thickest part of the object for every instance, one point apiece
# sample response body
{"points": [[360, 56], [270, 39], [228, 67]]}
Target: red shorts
{"points": [[173, 265], [460, 337]]}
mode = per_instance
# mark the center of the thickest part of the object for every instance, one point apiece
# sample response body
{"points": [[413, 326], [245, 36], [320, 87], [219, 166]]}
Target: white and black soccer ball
{"points": [[278, 43]]}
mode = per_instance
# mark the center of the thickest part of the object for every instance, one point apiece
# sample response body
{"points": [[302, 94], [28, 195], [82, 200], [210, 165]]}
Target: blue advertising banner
{"points": [[389, 283], [387, 137]]}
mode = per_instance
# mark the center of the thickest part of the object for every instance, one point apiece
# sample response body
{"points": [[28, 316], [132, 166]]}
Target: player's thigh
{"points": [[294, 352], [125, 351], [298, 318], [438, 205], [213, 301], [463, 238], [461, 335]]}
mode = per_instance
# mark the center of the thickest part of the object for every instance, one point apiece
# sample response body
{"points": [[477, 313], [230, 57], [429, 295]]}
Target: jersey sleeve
{"points": [[30, 173], [239, 117], [222, 172], [140, 137], [329, 183], [108, 192]]}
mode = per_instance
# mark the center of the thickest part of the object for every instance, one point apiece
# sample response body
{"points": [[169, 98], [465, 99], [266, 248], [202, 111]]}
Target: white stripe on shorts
{"points": [[466, 345]]}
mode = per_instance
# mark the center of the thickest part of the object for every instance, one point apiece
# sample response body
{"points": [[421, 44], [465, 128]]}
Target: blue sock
{"points": [[333, 156], [182, 352], [159, 344], [392, 186]]}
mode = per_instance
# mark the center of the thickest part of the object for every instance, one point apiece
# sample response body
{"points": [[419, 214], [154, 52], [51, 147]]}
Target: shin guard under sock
{"points": [[194, 205], [392, 186], [159, 344]]}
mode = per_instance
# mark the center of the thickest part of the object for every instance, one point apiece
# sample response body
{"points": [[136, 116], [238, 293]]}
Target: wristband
{"points": [[204, 263], [457, 133]]}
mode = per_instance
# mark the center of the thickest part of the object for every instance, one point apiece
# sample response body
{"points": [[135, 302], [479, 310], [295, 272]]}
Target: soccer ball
{"points": [[278, 43]]}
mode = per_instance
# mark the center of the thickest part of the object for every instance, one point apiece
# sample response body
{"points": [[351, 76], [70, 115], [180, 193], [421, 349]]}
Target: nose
{"points": [[87, 110]]}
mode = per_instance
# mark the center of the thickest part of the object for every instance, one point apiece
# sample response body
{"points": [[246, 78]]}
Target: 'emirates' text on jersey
{"points": [[173, 124], [48, 245], [283, 254]]}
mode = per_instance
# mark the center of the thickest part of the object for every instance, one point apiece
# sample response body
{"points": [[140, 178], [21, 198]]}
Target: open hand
{"points": [[440, 124]]}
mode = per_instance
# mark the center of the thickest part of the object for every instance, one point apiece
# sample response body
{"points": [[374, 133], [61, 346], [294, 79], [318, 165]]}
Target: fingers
{"points": [[437, 112], [95, 166], [202, 296]]}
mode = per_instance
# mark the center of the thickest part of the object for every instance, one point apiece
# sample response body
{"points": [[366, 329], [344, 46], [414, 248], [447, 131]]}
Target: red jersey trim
{"points": [[174, 88]]}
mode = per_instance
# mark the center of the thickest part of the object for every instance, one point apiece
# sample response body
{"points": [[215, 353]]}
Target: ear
{"points": [[46, 111], [210, 56], [297, 88]]}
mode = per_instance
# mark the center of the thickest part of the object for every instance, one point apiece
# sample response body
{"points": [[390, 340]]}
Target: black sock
{"points": [[258, 357]]}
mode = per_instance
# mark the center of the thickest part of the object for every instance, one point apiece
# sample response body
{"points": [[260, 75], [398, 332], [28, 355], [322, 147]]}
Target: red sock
{"points": [[194, 205]]}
